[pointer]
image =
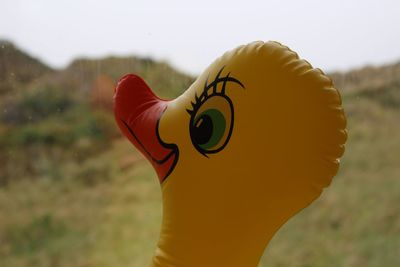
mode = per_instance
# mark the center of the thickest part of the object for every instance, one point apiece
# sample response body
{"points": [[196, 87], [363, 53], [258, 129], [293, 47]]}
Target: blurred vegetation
{"points": [[54, 118], [73, 193]]}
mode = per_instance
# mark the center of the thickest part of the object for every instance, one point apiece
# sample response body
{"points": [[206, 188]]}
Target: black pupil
{"points": [[203, 129]]}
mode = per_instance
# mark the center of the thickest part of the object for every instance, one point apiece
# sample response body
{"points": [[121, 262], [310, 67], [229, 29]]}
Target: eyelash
{"points": [[199, 100]]}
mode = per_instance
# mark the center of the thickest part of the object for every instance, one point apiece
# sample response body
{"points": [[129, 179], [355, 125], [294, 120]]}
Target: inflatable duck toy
{"points": [[249, 144]]}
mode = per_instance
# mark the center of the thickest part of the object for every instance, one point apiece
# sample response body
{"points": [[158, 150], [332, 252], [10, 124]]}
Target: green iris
{"points": [[209, 128]]}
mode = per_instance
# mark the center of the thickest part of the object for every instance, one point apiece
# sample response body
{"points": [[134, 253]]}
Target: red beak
{"points": [[138, 111]]}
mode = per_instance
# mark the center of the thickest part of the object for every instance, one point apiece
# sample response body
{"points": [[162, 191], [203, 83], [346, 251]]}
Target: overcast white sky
{"points": [[331, 34]]}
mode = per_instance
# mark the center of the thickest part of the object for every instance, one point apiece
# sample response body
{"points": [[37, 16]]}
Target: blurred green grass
{"points": [[70, 223], [73, 193]]}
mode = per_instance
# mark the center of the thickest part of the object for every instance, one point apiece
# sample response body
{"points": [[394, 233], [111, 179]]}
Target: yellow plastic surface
{"points": [[288, 130]]}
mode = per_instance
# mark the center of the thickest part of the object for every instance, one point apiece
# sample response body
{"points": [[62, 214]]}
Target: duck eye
{"points": [[209, 128], [211, 125]]}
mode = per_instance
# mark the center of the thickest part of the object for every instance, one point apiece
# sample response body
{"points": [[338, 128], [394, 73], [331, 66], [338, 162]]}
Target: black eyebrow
{"points": [[213, 85], [218, 80]]}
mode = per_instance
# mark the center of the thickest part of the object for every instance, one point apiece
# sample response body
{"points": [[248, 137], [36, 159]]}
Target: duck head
{"points": [[250, 143]]}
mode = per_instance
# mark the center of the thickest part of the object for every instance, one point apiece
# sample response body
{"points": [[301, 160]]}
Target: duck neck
{"points": [[237, 250], [160, 260]]}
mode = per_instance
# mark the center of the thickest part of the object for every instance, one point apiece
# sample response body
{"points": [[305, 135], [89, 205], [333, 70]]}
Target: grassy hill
{"points": [[368, 77], [18, 68], [74, 193]]}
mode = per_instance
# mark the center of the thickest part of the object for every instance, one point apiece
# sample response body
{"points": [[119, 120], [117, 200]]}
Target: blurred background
{"points": [[73, 192]]}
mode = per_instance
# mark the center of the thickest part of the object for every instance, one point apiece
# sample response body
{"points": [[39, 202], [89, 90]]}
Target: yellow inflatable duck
{"points": [[254, 140]]}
